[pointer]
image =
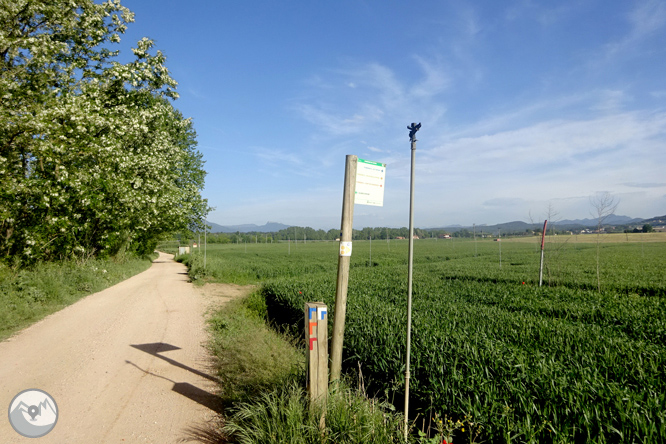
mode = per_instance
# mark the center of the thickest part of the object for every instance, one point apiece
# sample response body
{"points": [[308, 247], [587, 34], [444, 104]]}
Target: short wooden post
{"points": [[316, 335]]}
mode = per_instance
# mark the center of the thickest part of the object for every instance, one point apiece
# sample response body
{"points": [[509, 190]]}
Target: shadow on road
{"points": [[186, 389]]}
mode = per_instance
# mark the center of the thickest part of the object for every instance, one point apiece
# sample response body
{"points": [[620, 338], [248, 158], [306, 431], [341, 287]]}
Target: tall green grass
{"points": [[249, 357], [261, 374], [284, 416], [487, 341], [28, 295]]}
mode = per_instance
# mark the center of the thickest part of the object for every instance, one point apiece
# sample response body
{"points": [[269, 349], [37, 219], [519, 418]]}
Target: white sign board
{"points": [[370, 179]]}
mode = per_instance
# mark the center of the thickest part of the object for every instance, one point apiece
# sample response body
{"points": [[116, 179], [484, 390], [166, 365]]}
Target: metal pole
{"points": [[344, 259], [412, 136]]}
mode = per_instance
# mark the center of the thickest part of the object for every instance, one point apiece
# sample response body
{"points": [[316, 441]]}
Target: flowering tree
{"points": [[94, 159]]}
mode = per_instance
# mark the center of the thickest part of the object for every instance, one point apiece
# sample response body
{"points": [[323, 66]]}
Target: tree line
{"points": [[94, 158], [300, 234]]}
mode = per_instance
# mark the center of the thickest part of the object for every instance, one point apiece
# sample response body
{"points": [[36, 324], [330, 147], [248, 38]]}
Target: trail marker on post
{"points": [[316, 336]]}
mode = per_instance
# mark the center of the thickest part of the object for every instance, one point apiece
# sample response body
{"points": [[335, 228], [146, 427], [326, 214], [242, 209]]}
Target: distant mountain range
{"points": [[568, 223], [268, 227], [655, 221], [272, 227], [611, 220]]}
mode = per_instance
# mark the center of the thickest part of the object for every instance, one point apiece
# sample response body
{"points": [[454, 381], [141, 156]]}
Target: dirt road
{"points": [[124, 365]]}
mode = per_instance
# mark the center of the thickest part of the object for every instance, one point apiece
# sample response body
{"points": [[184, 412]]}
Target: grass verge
{"points": [[28, 295], [250, 357], [261, 375]]}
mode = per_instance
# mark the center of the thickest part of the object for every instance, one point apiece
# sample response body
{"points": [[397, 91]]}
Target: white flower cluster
{"points": [[94, 157]]}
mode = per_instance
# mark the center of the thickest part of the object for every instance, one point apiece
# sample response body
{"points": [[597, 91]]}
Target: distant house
{"points": [[415, 236], [399, 237]]}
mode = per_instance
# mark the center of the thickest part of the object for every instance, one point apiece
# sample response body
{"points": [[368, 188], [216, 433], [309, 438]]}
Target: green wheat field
{"points": [[580, 359]]}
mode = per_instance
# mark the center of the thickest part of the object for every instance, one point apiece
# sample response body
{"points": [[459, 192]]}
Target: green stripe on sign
{"points": [[372, 163]]}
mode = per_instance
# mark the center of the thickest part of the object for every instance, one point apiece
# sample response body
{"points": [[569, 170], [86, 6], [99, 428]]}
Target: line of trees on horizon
{"points": [[300, 234]]}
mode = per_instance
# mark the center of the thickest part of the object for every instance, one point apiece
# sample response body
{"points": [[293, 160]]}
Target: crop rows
{"points": [[559, 363]]}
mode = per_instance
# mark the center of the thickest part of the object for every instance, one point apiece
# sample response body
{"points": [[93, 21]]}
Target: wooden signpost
{"points": [[364, 184], [343, 267]]}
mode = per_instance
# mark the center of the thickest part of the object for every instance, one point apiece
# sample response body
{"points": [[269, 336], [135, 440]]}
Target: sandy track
{"points": [[124, 365]]}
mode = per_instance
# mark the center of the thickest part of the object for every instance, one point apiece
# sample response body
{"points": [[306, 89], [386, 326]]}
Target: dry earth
{"points": [[127, 364]]}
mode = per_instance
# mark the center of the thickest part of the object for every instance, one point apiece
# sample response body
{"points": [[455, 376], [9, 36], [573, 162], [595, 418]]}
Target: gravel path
{"points": [[127, 364]]}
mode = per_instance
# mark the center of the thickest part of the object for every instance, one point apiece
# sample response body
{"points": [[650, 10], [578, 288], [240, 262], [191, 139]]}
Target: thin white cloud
{"points": [[644, 21], [645, 185], [336, 122], [196, 93], [504, 201], [554, 159], [560, 149], [611, 101], [560, 142], [278, 157], [648, 17], [545, 14], [377, 100], [435, 81]]}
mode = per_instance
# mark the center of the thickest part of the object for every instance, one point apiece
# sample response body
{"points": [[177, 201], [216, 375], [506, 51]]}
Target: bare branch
{"points": [[604, 205]]}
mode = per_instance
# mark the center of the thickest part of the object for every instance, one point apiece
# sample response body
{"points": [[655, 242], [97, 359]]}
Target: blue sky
{"points": [[523, 104]]}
